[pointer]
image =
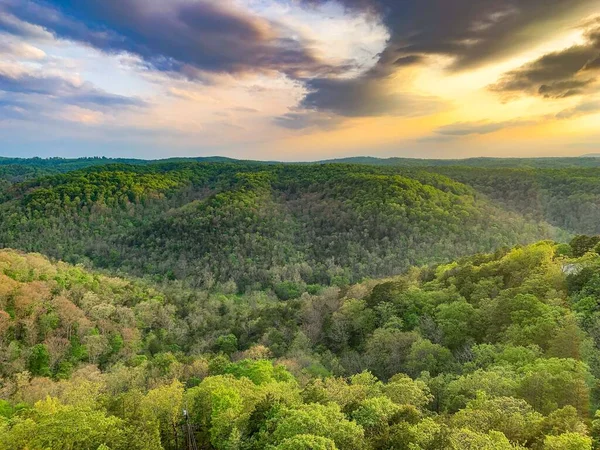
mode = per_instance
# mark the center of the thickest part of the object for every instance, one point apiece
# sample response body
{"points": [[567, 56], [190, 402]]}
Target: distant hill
{"points": [[67, 164], [62, 165], [586, 161]]}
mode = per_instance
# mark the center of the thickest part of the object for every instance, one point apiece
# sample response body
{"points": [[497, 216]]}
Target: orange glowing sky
{"points": [[299, 79]]}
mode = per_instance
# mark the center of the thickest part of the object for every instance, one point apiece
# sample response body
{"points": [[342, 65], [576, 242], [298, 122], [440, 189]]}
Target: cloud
{"points": [[559, 74], [408, 60], [178, 35], [37, 96], [191, 37], [594, 64], [582, 109], [13, 25], [11, 109], [303, 120], [64, 90], [469, 32], [364, 97], [19, 50], [483, 127], [436, 139]]}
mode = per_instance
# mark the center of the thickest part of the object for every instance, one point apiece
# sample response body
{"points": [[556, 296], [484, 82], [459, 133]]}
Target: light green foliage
{"points": [[259, 372], [402, 390], [515, 418], [568, 441], [497, 382], [549, 384], [307, 442], [375, 413], [51, 425], [319, 420], [471, 440], [426, 356]]}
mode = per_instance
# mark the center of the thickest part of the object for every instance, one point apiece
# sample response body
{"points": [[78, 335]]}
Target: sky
{"points": [[299, 80]]}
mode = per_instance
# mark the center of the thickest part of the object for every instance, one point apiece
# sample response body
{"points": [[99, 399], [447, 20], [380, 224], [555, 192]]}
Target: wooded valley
{"points": [[299, 306]]}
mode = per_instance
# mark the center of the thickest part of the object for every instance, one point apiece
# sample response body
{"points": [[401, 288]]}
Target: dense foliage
{"points": [[592, 160], [249, 306], [255, 225], [566, 198], [493, 351]]}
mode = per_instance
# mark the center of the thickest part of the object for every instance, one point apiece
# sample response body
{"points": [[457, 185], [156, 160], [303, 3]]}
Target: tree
{"points": [[466, 439], [59, 427], [582, 244], [549, 384], [568, 441], [39, 361], [428, 357], [402, 390], [457, 321], [166, 404], [307, 442], [319, 420], [374, 414], [227, 344], [515, 418], [388, 351]]}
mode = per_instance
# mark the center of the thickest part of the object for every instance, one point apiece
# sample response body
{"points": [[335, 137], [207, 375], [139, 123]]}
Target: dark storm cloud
{"points": [[172, 35], [328, 100], [364, 97], [564, 89], [470, 32], [593, 64], [559, 74], [408, 60]]}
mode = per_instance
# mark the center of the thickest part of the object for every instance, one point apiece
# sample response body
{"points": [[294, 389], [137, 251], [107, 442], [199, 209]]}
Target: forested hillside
{"points": [[304, 306], [255, 225], [493, 351], [587, 161], [566, 198]]}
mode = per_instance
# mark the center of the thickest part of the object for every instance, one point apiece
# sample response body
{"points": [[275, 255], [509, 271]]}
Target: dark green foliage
{"points": [[566, 198], [227, 344], [287, 290], [582, 244], [39, 361]]}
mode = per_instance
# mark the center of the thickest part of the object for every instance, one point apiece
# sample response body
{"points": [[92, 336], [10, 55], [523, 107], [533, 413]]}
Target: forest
{"points": [[250, 226], [492, 351], [225, 305]]}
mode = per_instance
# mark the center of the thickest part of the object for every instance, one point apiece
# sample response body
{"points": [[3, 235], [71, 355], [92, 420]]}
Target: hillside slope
{"points": [[255, 225], [493, 351], [566, 198]]}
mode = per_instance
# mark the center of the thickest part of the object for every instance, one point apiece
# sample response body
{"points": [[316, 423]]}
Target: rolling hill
{"points": [[255, 225]]}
